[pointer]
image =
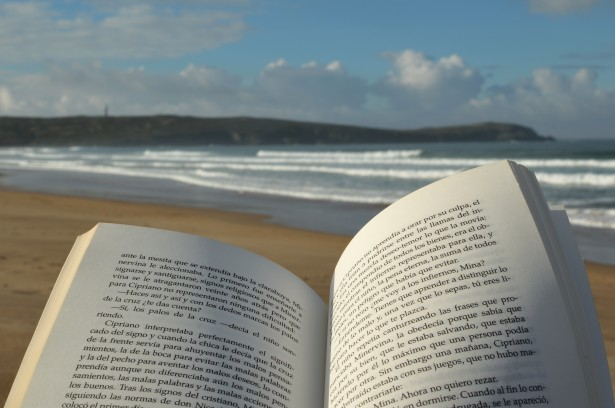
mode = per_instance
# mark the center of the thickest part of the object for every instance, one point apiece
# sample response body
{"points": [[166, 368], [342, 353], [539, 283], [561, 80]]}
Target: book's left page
{"points": [[155, 318]]}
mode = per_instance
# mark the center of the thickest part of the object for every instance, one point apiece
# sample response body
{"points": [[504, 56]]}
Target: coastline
{"points": [[38, 231], [336, 217]]}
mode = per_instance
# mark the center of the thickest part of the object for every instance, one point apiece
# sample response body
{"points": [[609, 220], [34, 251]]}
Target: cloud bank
{"points": [[417, 91], [35, 32]]}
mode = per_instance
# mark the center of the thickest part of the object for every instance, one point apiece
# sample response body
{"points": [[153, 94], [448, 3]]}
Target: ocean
{"points": [[333, 188]]}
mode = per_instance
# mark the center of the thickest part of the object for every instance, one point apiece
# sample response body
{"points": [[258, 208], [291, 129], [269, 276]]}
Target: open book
{"points": [[469, 292]]}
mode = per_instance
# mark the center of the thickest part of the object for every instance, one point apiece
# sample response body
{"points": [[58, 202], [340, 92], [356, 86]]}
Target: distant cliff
{"points": [[183, 130]]}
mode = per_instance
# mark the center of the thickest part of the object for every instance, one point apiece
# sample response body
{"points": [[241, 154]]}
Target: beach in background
{"points": [[328, 188], [296, 205]]}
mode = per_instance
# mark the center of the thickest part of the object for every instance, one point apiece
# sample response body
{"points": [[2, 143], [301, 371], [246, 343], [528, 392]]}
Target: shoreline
{"points": [[334, 217], [314, 215], [38, 230]]}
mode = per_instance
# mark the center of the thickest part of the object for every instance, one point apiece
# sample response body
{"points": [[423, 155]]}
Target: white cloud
{"points": [[335, 66], [311, 91], [209, 77], [559, 104], [555, 94], [276, 64], [420, 81], [415, 70], [37, 32], [555, 7]]}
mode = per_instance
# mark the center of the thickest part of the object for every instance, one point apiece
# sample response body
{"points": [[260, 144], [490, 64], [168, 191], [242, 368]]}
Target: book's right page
{"points": [[450, 298]]}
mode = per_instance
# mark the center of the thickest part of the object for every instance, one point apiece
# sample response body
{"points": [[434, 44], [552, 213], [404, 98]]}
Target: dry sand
{"points": [[38, 230]]}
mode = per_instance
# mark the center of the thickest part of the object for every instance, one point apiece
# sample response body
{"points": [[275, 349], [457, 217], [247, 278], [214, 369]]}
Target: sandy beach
{"points": [[38, 230]]}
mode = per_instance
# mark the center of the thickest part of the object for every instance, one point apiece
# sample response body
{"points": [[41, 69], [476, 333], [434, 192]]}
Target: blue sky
{"points": [[548, 64]]}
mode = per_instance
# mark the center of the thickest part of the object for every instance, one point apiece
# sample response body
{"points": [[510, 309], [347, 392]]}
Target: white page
{"points": [[180, 328], [594, 357], [445, 312]]}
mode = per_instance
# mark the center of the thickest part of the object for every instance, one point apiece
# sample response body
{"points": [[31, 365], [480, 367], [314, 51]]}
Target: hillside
{"points": [[184, 130]]}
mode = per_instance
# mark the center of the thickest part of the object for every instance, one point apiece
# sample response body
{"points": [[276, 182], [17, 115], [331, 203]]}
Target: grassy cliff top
{"points": [[186, 130]]}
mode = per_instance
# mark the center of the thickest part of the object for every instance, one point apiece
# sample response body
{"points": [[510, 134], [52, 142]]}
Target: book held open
{"points": [[469, 292]]}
